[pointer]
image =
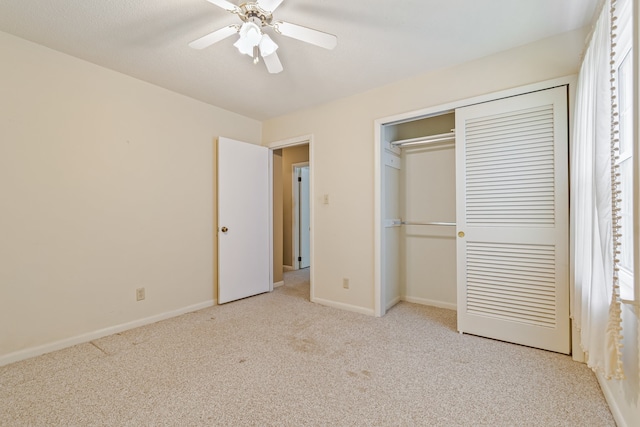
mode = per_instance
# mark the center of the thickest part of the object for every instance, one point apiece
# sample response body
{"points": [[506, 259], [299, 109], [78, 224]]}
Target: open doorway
{"points": [[292, 209], [293, 159]]}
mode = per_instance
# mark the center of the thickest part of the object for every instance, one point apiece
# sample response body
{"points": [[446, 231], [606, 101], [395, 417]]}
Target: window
{"points": [[624, 67]]}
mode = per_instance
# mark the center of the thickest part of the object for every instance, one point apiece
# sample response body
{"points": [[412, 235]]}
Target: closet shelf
{"points": [[423, 140]]}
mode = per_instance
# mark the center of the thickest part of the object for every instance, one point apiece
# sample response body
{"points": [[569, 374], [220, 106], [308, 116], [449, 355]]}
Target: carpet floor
{"points": [[279, 360]]}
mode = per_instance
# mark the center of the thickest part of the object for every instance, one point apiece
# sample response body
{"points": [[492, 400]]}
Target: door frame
{"points": [[277, 145], [380, 144], [295, 214]]}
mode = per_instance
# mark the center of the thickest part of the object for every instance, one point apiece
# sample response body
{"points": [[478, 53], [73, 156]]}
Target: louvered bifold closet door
{"points": [[512, 219]]}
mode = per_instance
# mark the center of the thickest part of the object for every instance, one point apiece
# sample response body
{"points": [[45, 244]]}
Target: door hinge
{"points": [[299, 179], [299, 259]]}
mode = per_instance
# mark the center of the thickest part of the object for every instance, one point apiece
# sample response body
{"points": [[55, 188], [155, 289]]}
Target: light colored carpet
{"points": [[277, 359]]}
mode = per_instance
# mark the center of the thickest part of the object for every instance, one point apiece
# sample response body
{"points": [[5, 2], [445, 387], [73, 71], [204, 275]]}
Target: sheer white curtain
{"points": [[596, 302]]}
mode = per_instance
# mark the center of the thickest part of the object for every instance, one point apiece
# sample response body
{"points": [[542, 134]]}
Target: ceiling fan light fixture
{"points": [[267, 46], [250, 36]]}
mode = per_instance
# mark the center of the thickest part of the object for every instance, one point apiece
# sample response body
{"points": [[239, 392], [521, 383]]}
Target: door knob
{"points": [[461, 234], [224, 229]]}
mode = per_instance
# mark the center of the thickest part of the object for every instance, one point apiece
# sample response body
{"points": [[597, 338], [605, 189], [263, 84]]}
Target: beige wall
{"points": [[343, 152], [429, 252], [107, 185], [290, 156]]}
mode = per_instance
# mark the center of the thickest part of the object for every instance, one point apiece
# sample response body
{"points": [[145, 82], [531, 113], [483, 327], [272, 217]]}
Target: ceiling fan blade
{"points": [[226, 5], [214, 37], [274, 66], [269, 5], [318, 38]]}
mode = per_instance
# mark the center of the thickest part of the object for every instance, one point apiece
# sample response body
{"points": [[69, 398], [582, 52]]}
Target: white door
{"points": [[243, 220], [304, 222], [512, 220]]}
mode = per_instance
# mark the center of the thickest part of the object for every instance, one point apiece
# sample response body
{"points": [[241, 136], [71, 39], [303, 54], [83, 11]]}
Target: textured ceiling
{"points": [[379, 42]]}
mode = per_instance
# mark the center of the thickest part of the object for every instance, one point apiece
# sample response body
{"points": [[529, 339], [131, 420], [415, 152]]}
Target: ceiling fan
{"points": [[256, 15]]}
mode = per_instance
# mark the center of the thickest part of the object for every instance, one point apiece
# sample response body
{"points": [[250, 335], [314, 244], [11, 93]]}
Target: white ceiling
{"points": [[379, 42]]}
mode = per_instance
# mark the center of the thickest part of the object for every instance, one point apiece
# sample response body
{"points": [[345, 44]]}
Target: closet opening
{"points": [[471, 213], [418, 208]]}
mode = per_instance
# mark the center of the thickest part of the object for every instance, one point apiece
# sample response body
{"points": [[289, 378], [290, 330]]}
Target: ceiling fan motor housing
{"points": [[251, 11]]}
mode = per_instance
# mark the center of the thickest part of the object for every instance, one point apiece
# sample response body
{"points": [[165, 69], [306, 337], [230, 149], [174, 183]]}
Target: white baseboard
{"points": [[287, 268], [611, 401], [393, 302], [432, 303], [343, 306], [278, 284], [90, 336]]}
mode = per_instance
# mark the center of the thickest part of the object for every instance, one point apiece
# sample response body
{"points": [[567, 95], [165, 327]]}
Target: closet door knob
{"points": [[224, 229], [461, 234]]}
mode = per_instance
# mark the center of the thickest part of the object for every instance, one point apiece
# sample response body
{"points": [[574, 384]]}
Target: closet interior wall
{"points": [[420, 260]]}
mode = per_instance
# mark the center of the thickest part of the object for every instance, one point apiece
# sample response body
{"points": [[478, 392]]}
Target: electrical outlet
{"points": [[139, 294], [345, 283]]}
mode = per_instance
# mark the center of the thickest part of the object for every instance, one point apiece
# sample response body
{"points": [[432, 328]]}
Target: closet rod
{"points": [[449, 224], [450, 136]]}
